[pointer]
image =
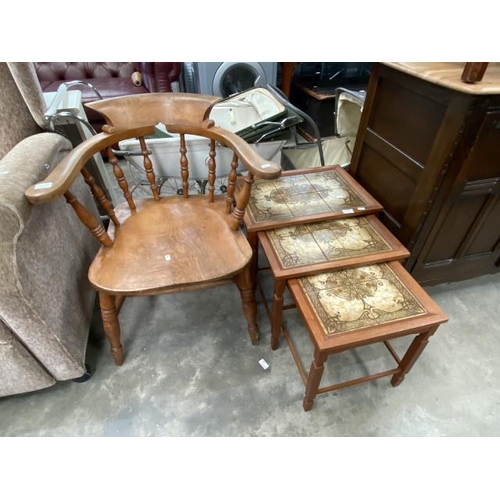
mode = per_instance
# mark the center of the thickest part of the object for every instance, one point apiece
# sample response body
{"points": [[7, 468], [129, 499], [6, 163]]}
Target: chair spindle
{"points": [[231, 184], [92, 224], [148, 167], [184, 167], [211, 172], [100, 196], [120, 177]]}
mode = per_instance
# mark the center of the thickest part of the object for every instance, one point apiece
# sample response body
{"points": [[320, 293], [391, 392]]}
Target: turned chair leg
{"points": [[254, 262], [247, 292], [111, 326]]}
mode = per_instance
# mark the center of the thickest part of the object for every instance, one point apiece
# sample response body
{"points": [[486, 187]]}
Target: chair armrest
{"points": [[63, 176], [158, 76]]}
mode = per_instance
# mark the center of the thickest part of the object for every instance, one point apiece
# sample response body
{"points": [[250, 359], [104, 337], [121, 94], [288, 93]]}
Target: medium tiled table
{"points": [[359, 306], [309, 249]]}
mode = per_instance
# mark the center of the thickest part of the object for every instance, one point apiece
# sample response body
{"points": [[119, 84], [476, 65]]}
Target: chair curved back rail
{"points": [[163, 244], [136, 117]]}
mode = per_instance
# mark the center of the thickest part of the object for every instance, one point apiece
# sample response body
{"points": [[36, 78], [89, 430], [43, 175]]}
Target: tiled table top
{"points": [[329, 245], [366, 296], [366, 302], [307, 195]]}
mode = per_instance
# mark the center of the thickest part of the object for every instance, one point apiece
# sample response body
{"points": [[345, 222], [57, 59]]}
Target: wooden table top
{"points": [[447, 74]]}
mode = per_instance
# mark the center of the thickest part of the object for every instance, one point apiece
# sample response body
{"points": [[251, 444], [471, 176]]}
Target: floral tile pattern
{"points": [[357, 298], [325, 241], [298, 195]]}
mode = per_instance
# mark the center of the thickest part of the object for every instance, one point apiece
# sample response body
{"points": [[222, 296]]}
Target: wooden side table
{"points": [[355, 307], [314, 248]]}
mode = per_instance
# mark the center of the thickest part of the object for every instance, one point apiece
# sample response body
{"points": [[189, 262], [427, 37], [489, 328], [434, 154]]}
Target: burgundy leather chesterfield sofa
{"points": [[111, 79]]}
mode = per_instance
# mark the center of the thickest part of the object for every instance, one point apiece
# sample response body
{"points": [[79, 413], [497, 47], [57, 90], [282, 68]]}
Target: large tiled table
{"points": [[360, 306]]}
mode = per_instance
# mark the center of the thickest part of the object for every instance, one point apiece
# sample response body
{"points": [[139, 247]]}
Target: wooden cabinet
{"points": [[428, 149], [319, 104]]}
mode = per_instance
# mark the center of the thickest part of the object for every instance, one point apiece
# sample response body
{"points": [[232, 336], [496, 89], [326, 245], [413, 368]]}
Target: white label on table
{"points": [[44, 185], [361, 208], [168, 257], [348, 211]]}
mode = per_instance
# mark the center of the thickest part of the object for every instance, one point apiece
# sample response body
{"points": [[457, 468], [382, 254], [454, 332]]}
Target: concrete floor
{"points": [[190, 370]]}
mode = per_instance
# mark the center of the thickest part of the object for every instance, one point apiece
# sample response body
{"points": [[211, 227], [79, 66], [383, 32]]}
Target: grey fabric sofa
{"points": [[46, 301]]}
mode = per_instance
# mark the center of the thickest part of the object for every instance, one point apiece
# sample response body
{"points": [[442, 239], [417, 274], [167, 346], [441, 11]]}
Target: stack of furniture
{"points": [[320, 235]]}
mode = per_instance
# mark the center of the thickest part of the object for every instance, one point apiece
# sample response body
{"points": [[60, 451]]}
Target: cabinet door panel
{"points": [[392, 109], [389, 185], [484, 159], [455, 228], [486, 238], [466, 242]]}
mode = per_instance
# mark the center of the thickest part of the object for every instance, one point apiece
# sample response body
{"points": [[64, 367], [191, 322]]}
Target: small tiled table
{"points": [[308, 195], [359, 306], [318, 247]]}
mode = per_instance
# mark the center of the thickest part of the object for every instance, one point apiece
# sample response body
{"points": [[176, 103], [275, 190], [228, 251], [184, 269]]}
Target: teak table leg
{"points": [[411, 355], [277, 312], [314, 379], [111, 326], [249, 304], [254, 263]]}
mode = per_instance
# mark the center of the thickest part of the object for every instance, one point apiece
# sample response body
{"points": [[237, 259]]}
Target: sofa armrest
{"points": [[27, 163], [159, 76], [46, 300]]}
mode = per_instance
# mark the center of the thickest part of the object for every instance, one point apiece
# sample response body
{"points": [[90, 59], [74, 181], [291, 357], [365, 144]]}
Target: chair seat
{"points": [[182, 243]]}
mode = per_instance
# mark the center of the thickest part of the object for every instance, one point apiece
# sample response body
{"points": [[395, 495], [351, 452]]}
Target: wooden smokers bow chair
{"points": [[163, 244]]}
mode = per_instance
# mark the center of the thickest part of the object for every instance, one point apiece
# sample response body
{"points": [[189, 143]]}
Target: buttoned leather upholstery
{"points": [[111, 79]]}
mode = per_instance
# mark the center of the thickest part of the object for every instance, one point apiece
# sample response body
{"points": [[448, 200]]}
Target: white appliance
{"points": [[227, 78]]}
